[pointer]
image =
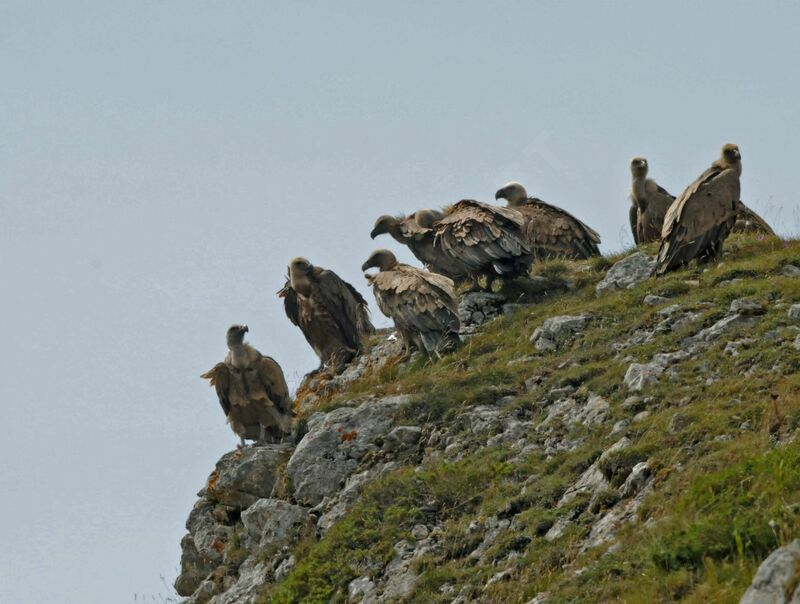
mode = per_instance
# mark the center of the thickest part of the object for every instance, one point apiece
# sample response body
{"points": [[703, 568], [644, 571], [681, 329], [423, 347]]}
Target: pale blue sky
{"points": [[160, 162]]}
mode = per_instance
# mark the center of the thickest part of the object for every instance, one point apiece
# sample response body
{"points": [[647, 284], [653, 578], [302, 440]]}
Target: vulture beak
{"points": [[366, 266], [737, 154], [245, 329], [499, 194], [374, 233]]}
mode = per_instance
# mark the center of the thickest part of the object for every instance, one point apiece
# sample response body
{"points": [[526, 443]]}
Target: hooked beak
{"points": [[245, 329], [500, 194], [366, 266], [375, 232]]}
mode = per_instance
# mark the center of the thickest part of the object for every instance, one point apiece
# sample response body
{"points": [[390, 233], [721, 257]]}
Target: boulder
{"points": [[627, 273], [246, 475], [776, 575], [271, 522], [557, 331], [335, 444]]}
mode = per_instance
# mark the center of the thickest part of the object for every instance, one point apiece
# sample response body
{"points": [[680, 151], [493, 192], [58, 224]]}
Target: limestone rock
{"points": [[335, 444], [244, 476], [627, 273], [557, 331], [271, 522], [794, 312], [641, 375], [773, 577]]}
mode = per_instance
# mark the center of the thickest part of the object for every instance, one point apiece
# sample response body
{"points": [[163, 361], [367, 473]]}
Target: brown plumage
{"points": [[252, 390], [550, 231], [409, 231], [649, 204], [484, 240], [747, 221], [422, 304], [330, 312], [702, 217]]}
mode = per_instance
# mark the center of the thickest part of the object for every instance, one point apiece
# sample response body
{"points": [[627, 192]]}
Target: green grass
{"points": [[727, 488]]}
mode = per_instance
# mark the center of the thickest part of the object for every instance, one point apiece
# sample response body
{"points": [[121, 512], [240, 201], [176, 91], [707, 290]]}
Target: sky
{"points": [[161, 162]]}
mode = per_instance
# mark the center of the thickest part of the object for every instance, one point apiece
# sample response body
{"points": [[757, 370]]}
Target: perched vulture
{"points": [[422, 304], [409, 231], [550, 231], [252, 390], [484, 240], [702, 217], [649, 204], [747, 221], [332, 315]]}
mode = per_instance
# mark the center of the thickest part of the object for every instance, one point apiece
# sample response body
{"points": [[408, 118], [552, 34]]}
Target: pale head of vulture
{"points": [[513, 192], [383, 260], [235, 334], [639, 167], [384, 224], [427, 218], [299, 269]]}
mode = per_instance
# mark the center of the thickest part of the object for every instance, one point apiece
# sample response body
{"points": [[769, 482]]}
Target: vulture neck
{"points": [[301, 285], [239, 355], [639, 188]]}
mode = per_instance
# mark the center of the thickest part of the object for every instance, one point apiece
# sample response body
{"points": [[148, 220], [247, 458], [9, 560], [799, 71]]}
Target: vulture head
{"points": [[427, 218], [383, 260], [513, 192], [299, 269], [384, 224], [731, 154], [639, 167], [235, 334]]}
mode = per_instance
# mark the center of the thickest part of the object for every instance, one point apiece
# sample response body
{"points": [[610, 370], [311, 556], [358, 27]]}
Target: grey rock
{"points": [[640, 417], [746, 306], [271, 522], [244, 476], [642, 375], [627, 273], [710, 334], [636, 480], [790, 270], [620, 426], [796, 343], [794, 312], [194, 568], [774, 577], [653, 300], [248, 586], [592, 480], [401, 438], [360, 588], [732, 348], [679, 422], [557, 331], [606, 528], [420, 532], [284, 568], [335, 444]]}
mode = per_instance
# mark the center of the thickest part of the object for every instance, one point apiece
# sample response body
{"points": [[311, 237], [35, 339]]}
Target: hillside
{"points": [[635, 445]]}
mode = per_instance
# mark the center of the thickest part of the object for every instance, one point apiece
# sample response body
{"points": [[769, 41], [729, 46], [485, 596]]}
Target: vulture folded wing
{"points": [[554, 232], [220, 378], [747, 220], [477, 234], [345, 304], [291, 305], [633, 214], [700, 218], [271, 377], [417, 301]]}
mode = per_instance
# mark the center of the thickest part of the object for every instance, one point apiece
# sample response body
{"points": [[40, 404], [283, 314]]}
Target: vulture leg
{"points": [[262, 434], [241, 444]]}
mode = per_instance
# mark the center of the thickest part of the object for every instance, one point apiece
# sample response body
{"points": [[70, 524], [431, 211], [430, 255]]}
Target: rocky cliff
{"points": [[601, 436]]}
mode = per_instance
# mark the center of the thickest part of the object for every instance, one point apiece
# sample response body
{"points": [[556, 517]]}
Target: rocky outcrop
{"points": [[557, 332], [627, 273], [775, 581]]}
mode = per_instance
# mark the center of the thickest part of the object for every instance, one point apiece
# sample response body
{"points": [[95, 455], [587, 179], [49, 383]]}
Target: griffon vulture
{"points": [[422, 304], [550, 231], [409, 231], [649, 204], [702, 217], [332, 315], [252, 390], [747, 221], [484, 240]]}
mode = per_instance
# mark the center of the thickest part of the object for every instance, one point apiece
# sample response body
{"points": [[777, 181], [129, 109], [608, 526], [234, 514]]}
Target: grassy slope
{"points": [[719, 507]]}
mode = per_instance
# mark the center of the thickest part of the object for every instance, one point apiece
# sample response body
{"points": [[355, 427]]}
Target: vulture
{"points": [[332, 315], [649, 204], [747, 221], [252, 390], [702, 217], [550, 231], [421, 303], [409, 231], [483, 240]]}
